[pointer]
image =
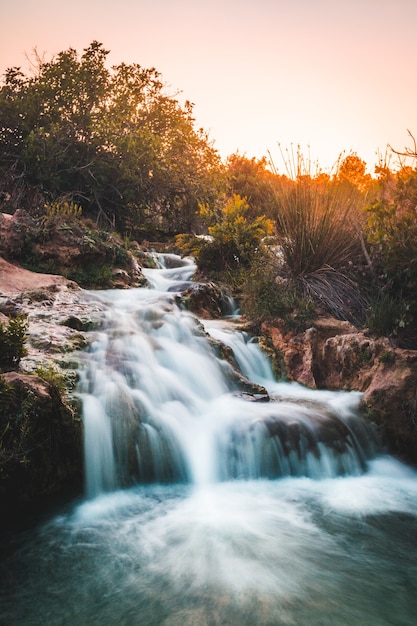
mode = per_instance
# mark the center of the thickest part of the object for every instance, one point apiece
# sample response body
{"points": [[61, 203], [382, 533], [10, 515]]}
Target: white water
{"points": [[161, 405], [204, 507]]}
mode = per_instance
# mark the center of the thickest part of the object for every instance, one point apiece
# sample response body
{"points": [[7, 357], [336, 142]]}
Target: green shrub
{"points": [[52, 376], [388, 315], [92, 276], [12, 342], [266, 295], [236, 240], [391, 232]]}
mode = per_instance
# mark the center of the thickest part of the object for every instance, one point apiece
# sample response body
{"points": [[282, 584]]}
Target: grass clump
{"points": [[317, 233], [12, 342]]}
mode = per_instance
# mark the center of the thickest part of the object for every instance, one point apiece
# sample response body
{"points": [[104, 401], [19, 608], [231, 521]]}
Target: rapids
{"points": [[206, 503]]}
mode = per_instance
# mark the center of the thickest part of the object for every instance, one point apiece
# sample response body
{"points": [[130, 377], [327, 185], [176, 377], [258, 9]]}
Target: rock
{"points": [[68, 246], [334, 355], [41, 451], [207, 300]]}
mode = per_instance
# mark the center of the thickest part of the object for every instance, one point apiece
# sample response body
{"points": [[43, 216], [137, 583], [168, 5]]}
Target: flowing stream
{"points": [[215, 495]]}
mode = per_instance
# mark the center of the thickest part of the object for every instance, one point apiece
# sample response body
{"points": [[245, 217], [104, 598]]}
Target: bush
{"points": [[266, 295], [235, 240], [189, 245], [12, 342], [391, 232], [317, 232]]}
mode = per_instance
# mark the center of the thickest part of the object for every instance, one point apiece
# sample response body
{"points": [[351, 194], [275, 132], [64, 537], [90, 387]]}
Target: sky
{"points": [[331, 76]]}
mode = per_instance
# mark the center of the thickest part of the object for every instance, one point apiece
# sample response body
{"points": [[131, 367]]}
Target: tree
{"points": [[111, 140], [352, 171], [391, 232], [250, 179]]}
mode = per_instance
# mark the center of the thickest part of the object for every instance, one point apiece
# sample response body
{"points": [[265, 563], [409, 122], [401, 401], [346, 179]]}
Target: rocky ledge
{"points": [[40, 424], [336, 356]]}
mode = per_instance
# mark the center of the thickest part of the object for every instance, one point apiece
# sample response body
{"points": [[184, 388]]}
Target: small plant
{"points": [[265, 294], [63, 209], [52, 376], [389, 315], [387, 356], [190, 245], [12, 342]]}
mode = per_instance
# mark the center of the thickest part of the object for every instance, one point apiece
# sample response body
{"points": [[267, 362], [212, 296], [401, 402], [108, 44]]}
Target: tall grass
{"points": [[314, 226], [317, 230]]}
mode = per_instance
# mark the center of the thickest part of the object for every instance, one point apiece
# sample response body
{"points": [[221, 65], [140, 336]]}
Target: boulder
{"points": [[207, 300], [334, 355], [41, 449]]}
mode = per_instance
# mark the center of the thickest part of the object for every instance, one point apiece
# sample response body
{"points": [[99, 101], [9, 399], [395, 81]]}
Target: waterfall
{"points": [[162, 404], [215, 493]]}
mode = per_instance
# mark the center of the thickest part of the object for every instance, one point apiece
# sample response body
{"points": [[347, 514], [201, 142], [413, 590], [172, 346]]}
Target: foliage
{"points": [[391, 232], [236, 240], [387, 315], [189, 245], [109, 140], [266, 295], [12, 342], [251, 179], [53, 377], [317, 225], [63, 209], [351, 172]]}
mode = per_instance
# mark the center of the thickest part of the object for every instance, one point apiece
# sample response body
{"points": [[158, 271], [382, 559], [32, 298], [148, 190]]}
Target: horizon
{"points": [[333, 78]]}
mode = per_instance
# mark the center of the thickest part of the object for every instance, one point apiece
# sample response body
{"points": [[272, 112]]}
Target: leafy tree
{"points": [[352, 171], [251, 179], [111, 140]]}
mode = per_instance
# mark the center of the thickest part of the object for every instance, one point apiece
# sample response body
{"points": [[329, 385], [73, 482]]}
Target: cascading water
{"points": [[214, 493], [171, 406]]}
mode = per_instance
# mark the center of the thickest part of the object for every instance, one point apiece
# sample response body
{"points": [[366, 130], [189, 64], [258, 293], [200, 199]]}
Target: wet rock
{"points": [[207, 300], [334, 355]]}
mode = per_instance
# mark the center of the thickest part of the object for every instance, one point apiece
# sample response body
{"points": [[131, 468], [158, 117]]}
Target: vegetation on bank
{"points": [[109, 156]]}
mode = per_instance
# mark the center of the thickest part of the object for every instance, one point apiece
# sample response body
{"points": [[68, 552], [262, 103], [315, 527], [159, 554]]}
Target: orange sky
{"points": [[325, 73]]}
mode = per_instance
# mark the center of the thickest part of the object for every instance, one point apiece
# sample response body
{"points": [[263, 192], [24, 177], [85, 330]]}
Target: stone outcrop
{"points": [[334, 355], [40, 428], [207, 300], [41, 450], [71, 247]]}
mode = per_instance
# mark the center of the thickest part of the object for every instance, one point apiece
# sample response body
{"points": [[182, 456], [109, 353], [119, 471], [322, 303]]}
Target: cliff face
{"points": [[334, 355]]}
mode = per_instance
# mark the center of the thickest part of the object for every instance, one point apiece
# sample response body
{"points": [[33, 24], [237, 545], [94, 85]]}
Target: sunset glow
{"points": [[335, 76]]}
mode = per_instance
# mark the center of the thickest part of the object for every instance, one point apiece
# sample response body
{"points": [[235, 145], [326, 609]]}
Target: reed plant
{"points": [[318, 232]]}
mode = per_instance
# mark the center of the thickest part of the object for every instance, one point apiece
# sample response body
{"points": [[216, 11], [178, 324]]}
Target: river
{"points": [[208, 504]]}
